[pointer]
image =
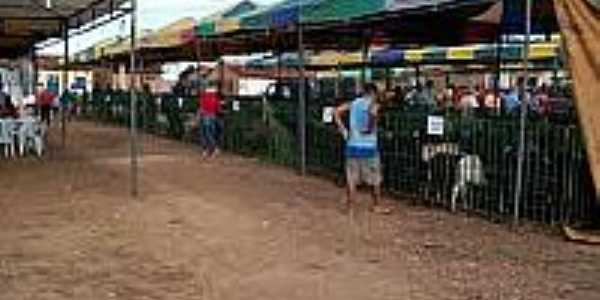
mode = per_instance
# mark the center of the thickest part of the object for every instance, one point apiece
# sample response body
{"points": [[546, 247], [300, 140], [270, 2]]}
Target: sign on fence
{"points": [[435, 125], [328, 112], [235, 105]]}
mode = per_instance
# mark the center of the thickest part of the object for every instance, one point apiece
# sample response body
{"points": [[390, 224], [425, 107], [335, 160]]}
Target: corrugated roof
{"points": [[24, 23]]}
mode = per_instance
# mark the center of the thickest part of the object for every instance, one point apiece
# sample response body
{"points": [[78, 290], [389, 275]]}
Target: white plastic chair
{"points": [[21, 132], [7, 140], [36, 137], [30, 136]]}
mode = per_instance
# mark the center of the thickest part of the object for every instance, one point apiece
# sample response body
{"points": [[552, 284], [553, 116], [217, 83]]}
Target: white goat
{"points": [[469, 171]]}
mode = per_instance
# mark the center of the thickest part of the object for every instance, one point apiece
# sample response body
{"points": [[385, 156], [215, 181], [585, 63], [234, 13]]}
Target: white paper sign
{"points": [[328, 113], [435, 125], [235, 105]]}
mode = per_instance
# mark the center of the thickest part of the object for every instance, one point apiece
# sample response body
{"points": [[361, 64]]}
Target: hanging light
{"points": [[48, 4]]}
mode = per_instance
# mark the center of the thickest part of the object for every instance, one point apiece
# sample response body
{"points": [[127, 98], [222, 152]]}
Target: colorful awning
{"points": [[171, 35], [341, 10], [225, 21], [476, 53], [327, 58]]}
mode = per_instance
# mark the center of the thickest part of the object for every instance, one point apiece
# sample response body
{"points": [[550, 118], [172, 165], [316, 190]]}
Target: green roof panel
{"points": [[340, 10]]}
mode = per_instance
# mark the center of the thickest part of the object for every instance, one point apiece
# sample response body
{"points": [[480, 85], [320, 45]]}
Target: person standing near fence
{"points": [[209, 107], [67, 102], [45, 99], [363, 164]]}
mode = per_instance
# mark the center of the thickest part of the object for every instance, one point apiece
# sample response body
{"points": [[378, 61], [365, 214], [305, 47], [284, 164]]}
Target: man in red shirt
{"points": [[209, 107], [45, 98]]}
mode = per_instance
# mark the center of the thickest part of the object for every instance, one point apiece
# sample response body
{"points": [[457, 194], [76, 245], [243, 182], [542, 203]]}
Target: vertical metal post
{"points": [[338, 79], [144, 105], [364, 60], [65, 88], [388, 79], [498, 70], [417, 75], [301, 94], [555, 69], [221, 76], [133, 104], [524, 107], [279, 66], [36, 73]]}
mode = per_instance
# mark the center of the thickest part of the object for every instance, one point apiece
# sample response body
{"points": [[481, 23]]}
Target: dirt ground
{"points": [[238, 229]]}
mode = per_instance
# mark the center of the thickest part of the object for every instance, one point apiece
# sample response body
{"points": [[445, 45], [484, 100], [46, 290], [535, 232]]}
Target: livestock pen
{"points": [[417, 165]]}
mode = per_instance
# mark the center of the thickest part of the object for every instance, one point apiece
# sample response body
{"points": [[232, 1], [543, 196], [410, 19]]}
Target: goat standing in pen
{"points": [[467, 169]]}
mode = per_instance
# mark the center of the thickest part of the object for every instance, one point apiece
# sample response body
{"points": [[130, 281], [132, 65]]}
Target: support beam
{"points": [[524, 106], [36, 73], [301, 95], [365, 57], [65, 88], [338, 82], [417, 75], [134, 151], [498, 69], [221, 76]]}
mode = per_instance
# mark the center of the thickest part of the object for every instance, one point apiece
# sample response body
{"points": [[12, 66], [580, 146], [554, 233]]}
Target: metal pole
{"points": [[338, 88], [144, 107], [302, 94], [36, 74], [388, 79], [498, 72], [133, 104], [524, 103], [364, 59], [417, 75], [65, 88]]}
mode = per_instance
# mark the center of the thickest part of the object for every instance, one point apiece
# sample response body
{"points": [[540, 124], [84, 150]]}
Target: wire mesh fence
{"points": [[470, 167]]}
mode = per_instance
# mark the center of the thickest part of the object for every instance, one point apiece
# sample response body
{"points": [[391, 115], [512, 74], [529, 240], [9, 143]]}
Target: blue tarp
{"points": [[288, 12], [387, 57]]}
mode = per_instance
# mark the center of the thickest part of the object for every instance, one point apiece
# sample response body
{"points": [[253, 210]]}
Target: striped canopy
{"points": [[476, 53]]}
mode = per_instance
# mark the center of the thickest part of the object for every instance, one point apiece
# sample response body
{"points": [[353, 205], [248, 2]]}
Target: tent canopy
{"points": [[171, 35], [580, 24], [23, 23], [226, 20], [486, 53], [315, 12]]}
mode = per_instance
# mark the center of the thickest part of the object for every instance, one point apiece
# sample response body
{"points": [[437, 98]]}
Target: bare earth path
{"points": [[237, 229]]}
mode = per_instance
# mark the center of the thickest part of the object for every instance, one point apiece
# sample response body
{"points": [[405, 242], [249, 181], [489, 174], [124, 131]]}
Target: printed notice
{"points": [[435, 125]]}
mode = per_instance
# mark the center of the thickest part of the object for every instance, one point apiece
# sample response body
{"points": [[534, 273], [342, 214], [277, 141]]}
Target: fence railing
{"points": [[471, 166]]}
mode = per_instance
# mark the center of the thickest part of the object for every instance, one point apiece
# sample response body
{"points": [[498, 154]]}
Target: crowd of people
{"points": [[474, 98], [44, 102]]}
